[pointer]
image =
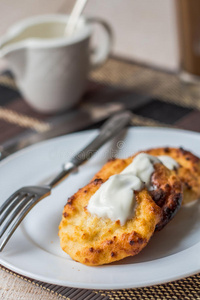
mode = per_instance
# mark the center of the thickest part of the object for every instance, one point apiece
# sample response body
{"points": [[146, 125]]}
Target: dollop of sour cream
{"points": [[168, 162], [115, 198]]}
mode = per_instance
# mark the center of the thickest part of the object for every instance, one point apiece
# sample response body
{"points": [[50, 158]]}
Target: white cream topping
{"points": [[168, 162], [115, 198], [142, 167]]}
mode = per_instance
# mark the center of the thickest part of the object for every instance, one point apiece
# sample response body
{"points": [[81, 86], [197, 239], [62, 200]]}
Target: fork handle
{"points": [[110, 129]]}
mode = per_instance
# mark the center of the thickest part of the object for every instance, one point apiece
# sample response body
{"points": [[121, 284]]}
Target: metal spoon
{"points": [[74, 16]]}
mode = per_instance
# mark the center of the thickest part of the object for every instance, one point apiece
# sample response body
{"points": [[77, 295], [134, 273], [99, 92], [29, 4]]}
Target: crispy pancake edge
{"points": [[189, 171]]}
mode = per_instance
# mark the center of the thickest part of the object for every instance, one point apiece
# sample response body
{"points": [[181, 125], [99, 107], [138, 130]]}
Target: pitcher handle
{"points": [[101, 53]]}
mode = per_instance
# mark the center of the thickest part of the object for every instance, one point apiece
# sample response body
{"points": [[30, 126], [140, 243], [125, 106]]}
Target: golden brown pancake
{"points": [[188, 172], [95, 241]]}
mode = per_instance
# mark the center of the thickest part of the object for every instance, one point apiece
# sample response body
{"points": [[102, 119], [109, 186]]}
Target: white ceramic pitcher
{"points": [[50, 68]]}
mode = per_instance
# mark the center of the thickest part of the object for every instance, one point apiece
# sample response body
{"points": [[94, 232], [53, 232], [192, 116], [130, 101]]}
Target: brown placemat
{"points": [[171, 104]]}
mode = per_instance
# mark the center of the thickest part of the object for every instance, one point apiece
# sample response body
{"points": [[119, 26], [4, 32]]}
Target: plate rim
{"points": [[105, 286]]}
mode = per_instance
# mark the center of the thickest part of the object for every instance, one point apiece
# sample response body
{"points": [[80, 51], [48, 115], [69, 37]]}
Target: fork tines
{"points": [[16, 207], [12, 213]]}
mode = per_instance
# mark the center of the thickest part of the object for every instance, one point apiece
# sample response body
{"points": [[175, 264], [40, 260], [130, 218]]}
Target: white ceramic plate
{"points": [[34, 249]]}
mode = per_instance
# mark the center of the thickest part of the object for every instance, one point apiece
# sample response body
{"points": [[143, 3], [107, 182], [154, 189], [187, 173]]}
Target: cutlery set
{"points": [[16, 207]]}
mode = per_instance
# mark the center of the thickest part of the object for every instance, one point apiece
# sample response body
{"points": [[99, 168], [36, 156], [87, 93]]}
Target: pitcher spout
{"points": [[3, 50], [8, 44], [13, 53]]}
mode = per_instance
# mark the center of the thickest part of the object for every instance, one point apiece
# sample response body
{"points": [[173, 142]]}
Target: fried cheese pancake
{"points": [[188, 172], [95, 241]]}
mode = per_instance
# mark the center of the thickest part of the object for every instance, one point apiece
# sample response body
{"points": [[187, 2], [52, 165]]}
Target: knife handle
{"points": [[109, 129]]}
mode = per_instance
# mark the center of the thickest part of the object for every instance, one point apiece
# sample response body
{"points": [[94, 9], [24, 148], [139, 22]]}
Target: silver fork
{"points": [[16, 207]]}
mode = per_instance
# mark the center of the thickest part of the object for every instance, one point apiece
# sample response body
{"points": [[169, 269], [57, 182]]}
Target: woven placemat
{"points": [[184, 289], [171, 104]]}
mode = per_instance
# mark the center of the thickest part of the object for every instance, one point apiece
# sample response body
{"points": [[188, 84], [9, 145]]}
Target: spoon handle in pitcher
{"points": [[74, 16]]}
